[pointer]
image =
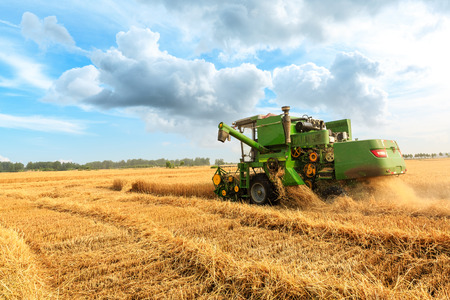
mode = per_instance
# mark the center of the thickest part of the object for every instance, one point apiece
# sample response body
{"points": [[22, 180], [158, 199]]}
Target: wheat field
{"points": [[161, 234]]}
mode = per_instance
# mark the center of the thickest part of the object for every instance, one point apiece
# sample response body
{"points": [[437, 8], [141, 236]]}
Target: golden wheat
{"points": [[82, 234], [205, 190]]}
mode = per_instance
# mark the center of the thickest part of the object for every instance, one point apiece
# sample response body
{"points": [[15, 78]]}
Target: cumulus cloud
{"points": [[39, 123], [346, 89], [74, 85], [138, 76], [45, 32], [170, 93]]}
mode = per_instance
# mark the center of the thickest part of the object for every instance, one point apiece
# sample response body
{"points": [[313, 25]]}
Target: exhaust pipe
{"points": [[286, 124]]}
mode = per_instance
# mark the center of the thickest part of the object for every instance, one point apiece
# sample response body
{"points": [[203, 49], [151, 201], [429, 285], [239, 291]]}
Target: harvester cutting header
{"points": [[301, 151]]}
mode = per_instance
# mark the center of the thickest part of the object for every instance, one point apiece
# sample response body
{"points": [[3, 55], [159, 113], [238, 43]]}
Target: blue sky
{"points": [[150, 79]]}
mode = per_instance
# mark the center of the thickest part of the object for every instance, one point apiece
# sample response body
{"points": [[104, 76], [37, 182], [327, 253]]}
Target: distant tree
{"points": [[8, 166], [106, 164], [19, 167], [219, 162], [56, 166]]}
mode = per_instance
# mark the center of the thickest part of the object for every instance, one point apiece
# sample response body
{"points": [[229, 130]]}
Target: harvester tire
{"points": [[261, 190]]}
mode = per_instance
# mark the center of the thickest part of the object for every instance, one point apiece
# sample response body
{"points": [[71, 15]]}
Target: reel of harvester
{"points": [[226, 185]]}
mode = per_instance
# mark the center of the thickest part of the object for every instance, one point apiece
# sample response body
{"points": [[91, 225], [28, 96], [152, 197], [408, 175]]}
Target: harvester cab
{"points": [[300, 151]]}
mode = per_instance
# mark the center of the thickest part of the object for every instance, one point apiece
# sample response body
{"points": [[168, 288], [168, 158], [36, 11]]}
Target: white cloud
{"points": [[65, 161], [9, 24], [39, 123], [4, 159], [45, 32], [26, 72], [74, 86], [240, 28], [165, 90], [412, 34], [346, 89]]}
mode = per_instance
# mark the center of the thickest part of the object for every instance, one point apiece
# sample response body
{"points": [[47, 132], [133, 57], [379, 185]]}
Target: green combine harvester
{"points": [[300, 151]]}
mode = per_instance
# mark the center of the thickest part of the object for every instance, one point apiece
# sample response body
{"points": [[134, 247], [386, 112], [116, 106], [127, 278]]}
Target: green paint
{"points": [[352, 159]]}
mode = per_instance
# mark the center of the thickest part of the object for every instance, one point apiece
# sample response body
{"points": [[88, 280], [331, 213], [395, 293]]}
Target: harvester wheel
{"points": [[313, 157], [329, 156], [310, 170], [217, 179], [309, 184], [261, 190], [295, 152]]}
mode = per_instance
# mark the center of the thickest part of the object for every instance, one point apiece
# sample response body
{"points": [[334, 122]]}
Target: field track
{"points": [[86, 235]]}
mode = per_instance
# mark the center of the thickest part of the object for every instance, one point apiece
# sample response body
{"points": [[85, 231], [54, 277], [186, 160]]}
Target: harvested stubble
{"points": [[93, 242], [417, 241], [20, 277], [220, 273]]}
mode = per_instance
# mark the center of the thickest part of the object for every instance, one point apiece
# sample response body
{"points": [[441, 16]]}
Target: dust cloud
{"points": [[378, 195]]}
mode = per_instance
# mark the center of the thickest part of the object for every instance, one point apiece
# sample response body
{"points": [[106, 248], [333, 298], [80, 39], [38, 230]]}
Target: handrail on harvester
{"points": [[225, 131]]}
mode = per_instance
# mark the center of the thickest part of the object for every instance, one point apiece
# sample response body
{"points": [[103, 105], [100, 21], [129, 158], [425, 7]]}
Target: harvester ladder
{"points": [[244, 178]]}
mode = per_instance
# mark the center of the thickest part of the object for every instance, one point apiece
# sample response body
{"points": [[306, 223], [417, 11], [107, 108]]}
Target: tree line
{"points": [[106, 164], [426, 155]]}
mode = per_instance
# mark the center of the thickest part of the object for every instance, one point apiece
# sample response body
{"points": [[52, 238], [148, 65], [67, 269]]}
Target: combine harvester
{"points": [[300, 151]]}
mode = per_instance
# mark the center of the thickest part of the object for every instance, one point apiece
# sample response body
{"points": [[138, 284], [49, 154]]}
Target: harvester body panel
{"points": [[340, 126], [310, 139], [355, 159], [270, 131], [291, 177]]}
